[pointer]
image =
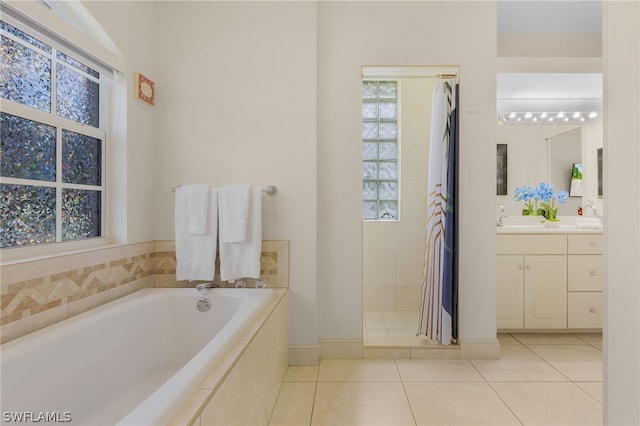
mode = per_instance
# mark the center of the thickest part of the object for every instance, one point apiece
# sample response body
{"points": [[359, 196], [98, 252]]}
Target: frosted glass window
{"points": [[388, 151], [27, 149], [388, 110], [388, 170], [81, 214], [380, 175], [388, 130], [370, 170], [369, 190], [25, 75], [81, 159], [388, 210], [52, 168], [370, 210], [78, 97], [27, 215], [370, 130], [370, 90], [369, 151], [388, 191]]}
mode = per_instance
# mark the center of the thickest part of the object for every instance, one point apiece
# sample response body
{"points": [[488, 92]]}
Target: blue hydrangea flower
{"points": [[524, 193], [544, 192], [561, 196]]}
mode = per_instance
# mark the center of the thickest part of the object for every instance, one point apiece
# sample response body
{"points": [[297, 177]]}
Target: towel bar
{"points": [[269, 189]]}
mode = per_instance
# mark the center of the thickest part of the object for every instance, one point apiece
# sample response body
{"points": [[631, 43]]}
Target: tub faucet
{"points": [[202, 288]]}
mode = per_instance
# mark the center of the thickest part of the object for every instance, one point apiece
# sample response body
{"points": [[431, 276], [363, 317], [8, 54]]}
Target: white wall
{"points": [[352, 34], [126, 21], [236, 103], [621, 50]]}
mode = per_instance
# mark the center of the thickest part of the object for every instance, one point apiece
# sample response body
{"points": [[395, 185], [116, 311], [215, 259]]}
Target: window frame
{"points": [[51, 118]]}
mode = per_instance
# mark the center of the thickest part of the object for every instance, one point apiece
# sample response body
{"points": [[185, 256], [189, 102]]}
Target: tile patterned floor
{"points": [[541, 379]]}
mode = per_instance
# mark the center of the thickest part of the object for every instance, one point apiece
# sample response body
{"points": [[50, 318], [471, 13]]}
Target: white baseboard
{"points": [[304, 355], [480, 349], [340, 349]]}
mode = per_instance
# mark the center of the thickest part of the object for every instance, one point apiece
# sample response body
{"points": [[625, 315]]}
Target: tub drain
{"points": [[204, 304]]}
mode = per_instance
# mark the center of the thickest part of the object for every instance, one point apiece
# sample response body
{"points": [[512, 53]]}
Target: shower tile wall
{"points": [[393, 251]]}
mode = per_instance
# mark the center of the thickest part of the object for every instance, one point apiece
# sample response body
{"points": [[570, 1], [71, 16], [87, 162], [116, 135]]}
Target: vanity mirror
{"points": [[551, 125]]}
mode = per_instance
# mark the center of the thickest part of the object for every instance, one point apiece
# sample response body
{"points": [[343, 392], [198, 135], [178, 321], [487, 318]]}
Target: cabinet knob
{"points": [[529, 267], [520, 266], [593, 310], [593, 273]]}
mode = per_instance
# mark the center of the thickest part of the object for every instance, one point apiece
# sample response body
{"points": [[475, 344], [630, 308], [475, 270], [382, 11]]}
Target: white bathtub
{"points": [[134, 361]]}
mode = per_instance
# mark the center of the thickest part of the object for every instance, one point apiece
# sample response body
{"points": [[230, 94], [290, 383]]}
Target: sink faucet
{"points": [[501, 217], [589, 204]]}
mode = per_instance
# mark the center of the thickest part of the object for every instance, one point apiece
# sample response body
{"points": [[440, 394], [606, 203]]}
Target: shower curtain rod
{"points": [[410, 71], [269, 189]]}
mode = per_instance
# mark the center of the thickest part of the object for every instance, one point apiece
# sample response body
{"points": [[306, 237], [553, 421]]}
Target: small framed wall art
{"points": [[144, 88]]}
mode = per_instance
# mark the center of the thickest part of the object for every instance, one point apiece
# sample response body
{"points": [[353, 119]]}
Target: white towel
{"points": [[196, 253], [242, 260], [234, 202], [194, 203]]}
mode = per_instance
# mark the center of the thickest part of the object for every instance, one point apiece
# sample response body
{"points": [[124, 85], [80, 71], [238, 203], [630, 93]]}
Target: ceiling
{"points": [[540, 92]]}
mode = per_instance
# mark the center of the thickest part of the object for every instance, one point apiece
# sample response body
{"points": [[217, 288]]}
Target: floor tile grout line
{"points": [[547, 362], [315, 394], [406, 395], [588, 394], [505, 403]]}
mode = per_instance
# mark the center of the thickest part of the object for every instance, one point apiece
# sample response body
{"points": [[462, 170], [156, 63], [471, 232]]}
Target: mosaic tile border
{"points": [[38, 293], [274, 266]]}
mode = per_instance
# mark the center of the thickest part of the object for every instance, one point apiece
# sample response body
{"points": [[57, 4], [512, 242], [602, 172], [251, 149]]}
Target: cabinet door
{"points": [[510, 291], [545, 291]]}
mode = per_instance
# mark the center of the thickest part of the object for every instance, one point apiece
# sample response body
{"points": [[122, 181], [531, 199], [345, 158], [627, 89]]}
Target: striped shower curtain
{"points": [[438, 303]]}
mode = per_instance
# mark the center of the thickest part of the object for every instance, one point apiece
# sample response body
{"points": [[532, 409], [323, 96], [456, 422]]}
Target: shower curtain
{"points": [[439, 296]]}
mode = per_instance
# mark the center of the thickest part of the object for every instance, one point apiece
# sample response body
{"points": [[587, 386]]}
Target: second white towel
{"points": [[234, 204], [242, 259]]}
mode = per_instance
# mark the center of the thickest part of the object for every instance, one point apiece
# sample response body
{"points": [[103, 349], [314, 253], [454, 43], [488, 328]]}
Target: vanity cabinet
{"points": [[585, 268], [531, 281], [549, 281]]}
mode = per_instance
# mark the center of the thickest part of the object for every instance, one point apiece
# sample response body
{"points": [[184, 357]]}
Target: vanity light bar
{"points": [[577, 117]]}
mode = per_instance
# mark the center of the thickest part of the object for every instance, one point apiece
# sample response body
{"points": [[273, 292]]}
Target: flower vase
{"points": [[551, 223]]}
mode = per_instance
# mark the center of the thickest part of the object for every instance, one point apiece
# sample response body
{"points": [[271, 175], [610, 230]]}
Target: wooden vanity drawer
{"points": [[584, 272], [585, 244], [584, 309]]}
